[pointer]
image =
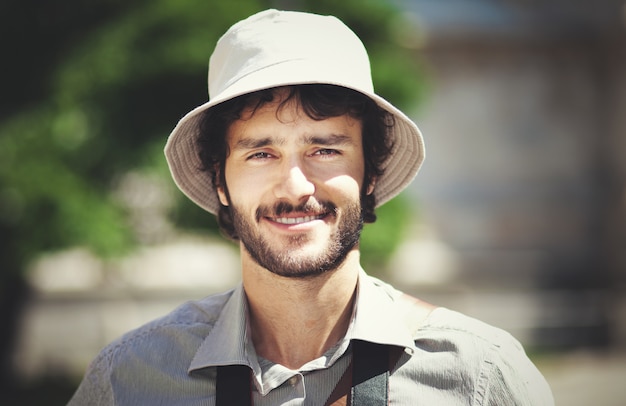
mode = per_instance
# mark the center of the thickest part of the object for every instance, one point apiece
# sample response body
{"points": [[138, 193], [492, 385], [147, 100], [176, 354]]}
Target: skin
{"points": [[282, 158]]}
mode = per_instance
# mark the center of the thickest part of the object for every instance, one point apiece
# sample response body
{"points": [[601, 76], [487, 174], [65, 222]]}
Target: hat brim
{"points": [[185, 165]]}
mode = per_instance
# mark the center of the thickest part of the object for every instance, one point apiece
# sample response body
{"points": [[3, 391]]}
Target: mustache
{"points": [[282, 208]]}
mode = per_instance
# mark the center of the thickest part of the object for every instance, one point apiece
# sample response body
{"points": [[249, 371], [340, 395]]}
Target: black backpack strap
{"points": [[370, 374], [233, 386], [366, 379], [368, 370]]}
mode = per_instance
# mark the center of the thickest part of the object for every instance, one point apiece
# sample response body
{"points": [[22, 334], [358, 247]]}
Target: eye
{"points": [[327, 152], [259, 155]]}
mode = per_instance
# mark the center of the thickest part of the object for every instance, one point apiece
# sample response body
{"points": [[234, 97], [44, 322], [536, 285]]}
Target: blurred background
{"points": [[518, 216]]}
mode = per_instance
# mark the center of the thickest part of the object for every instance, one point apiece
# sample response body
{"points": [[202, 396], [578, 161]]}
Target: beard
{"points": [[291, 259]]}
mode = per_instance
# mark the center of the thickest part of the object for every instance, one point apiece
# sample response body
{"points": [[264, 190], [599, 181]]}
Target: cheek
{"points": [[352, 180], [345, 185], [350, 171], [243, 187]]}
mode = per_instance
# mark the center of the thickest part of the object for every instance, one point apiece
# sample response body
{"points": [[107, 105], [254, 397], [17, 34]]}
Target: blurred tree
{"points": [[90, 91]]}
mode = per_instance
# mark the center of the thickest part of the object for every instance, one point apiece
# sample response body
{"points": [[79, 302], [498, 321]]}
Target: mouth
{"points": [[290, 216], [298, 220]]}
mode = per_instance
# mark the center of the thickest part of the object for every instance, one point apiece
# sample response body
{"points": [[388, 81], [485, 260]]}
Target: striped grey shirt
{"points": [[449, 359]]}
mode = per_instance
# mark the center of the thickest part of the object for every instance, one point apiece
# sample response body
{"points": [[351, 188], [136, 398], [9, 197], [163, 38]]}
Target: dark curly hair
{"points": [[318, 101]]}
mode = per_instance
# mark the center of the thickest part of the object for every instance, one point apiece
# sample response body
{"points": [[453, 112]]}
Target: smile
{"points": [[297, 220]]}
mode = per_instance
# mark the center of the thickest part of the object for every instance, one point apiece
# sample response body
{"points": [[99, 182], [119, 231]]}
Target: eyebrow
{"points": [[330, 139], [327, 140], [253, 143]]}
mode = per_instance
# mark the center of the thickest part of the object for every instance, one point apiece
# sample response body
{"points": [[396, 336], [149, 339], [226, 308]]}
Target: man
{"points": [[293, 152]]}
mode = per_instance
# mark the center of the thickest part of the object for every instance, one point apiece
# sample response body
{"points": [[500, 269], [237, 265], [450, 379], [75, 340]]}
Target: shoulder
{"points": [[464, 328], [157, 353], [488, 356], [473, 344], [181, 330], [459, 354], [440, 327]]}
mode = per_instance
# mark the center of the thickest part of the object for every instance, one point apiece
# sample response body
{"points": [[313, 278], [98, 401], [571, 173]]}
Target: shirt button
{"points": [[293, 381]]}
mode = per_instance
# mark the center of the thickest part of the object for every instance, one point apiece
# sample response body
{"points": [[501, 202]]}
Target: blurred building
{"points": [[524, 182]]}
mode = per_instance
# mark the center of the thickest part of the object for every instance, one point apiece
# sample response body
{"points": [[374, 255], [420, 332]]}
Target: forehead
{"points": [[283, 118]]}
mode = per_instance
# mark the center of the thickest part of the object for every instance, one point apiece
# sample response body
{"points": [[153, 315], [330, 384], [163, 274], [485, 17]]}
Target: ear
{"points": [[370, 187], [221, 193], [222, 196]]}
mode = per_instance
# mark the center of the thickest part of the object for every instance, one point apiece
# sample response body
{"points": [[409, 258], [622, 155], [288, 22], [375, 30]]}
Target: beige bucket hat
{"points": [[277, 48]]}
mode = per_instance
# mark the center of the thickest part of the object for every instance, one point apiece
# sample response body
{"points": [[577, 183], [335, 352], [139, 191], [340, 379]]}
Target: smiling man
{"points": [[293, 152]]}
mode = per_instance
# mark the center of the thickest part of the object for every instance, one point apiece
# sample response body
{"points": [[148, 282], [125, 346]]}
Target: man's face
{"points": [[294, 187]]}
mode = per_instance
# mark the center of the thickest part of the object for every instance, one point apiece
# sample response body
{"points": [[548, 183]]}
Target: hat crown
{"points": [[326, 50], [281, 48]]}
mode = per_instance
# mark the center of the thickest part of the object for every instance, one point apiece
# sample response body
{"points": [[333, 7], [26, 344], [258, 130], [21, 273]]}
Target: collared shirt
{"points": [[449, 358]]}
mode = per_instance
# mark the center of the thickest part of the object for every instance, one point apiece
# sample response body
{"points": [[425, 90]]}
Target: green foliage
{"points": [[46, 202], [104, 84]]}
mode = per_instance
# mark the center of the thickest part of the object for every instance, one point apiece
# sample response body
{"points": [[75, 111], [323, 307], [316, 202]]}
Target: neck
{"points": [[296, 320]]}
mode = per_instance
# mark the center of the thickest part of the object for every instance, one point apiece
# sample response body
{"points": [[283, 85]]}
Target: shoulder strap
{"points": [[365, 381], [233, 386], [370, 374]]}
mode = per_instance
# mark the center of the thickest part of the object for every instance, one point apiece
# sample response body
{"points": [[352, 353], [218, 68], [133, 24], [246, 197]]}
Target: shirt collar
{"points": [[228, 342], [375, 319]]}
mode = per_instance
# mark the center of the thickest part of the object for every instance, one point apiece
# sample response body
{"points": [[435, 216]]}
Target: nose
{"points": [[294, 185]]}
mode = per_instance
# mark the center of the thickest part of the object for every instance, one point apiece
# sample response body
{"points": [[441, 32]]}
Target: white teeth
{"points": [[295, 220]]}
